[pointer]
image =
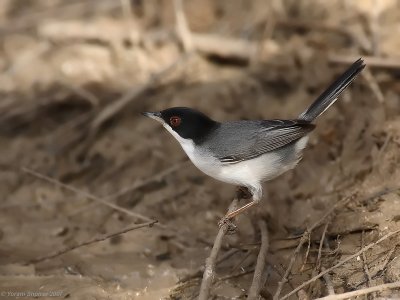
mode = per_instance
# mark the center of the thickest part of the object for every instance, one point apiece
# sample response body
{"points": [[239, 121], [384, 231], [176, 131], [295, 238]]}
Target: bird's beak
{"points": [[154, 115]]}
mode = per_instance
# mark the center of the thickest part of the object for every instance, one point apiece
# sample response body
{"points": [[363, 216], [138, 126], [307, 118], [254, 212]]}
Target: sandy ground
{"points": [[65, 65]]}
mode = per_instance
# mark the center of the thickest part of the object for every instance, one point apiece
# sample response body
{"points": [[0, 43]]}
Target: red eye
{"points": [[175, 121]]}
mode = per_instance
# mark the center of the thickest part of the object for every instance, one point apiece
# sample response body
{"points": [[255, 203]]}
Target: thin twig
{"points": [[374, 26], [209, 270], [385, 263], [302, 295], [261, 260], [364, 258], [153, 178], [313, 25], [307, 253], [135, 186], [342, 262], [236, 275], [321, 243], [371, 61], [365, 291], [118, 105], [318, 267], [63, 10], [200, 270], [241, 261], [289, 268], [80, 91], [92, 241], [127, 13], [373, 85], [182, 27], [86, 194], [304, 239], [328, 282], [380, 193]]}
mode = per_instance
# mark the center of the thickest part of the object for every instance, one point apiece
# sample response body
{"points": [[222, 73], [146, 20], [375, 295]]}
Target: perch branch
{"points": [[209, 270], [261, 260]]}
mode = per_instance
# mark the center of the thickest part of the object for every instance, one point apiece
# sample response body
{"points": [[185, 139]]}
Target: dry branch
{"points": [[371, 61], [135, 186], [328, 282], [200, 270], [212, 44], [204, 43], [342, 262], [321, 243], [236, 275], [365, 263], [385, 263], [261, 260], [373, 85], [384, 191], [118, 105], [86, 194], [209, 270], [318, 268], [89, 242], [182, 27], [176, 231], [290, 266], [63, 10], [304, 238], [314, 25], [378, 288], [154, 178]]}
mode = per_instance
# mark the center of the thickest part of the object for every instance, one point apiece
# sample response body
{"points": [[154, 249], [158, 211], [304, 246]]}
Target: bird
{"points": [[247, 153]]}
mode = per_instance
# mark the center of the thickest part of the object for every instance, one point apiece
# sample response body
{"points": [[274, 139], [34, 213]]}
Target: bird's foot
{"points": [[228, 222]]}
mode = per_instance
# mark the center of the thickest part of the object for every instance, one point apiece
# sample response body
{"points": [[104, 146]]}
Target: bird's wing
{"points": [[271, 135]]}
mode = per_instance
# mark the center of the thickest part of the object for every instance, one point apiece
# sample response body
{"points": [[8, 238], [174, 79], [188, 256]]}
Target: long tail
{"points": [[330, 95]]}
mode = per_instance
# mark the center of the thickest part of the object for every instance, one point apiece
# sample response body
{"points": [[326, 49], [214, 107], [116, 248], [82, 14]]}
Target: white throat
{"points": [[187, 144]]}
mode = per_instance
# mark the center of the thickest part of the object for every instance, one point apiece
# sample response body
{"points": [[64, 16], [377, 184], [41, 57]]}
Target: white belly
{"points": [[246, 173]]}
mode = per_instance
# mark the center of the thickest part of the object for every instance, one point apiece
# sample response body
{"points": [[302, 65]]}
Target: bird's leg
{"points": [[244, 193], [241, 209]]}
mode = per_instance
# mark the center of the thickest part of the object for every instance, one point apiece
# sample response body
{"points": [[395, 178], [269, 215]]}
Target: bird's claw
{"points": [[231, 227]]}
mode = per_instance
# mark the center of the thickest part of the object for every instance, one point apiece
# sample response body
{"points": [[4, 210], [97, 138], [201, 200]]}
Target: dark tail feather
{"points": [[329, 96]]}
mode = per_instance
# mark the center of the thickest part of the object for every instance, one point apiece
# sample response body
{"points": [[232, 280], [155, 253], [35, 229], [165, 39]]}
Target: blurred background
{"points": [[74, 77]]}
